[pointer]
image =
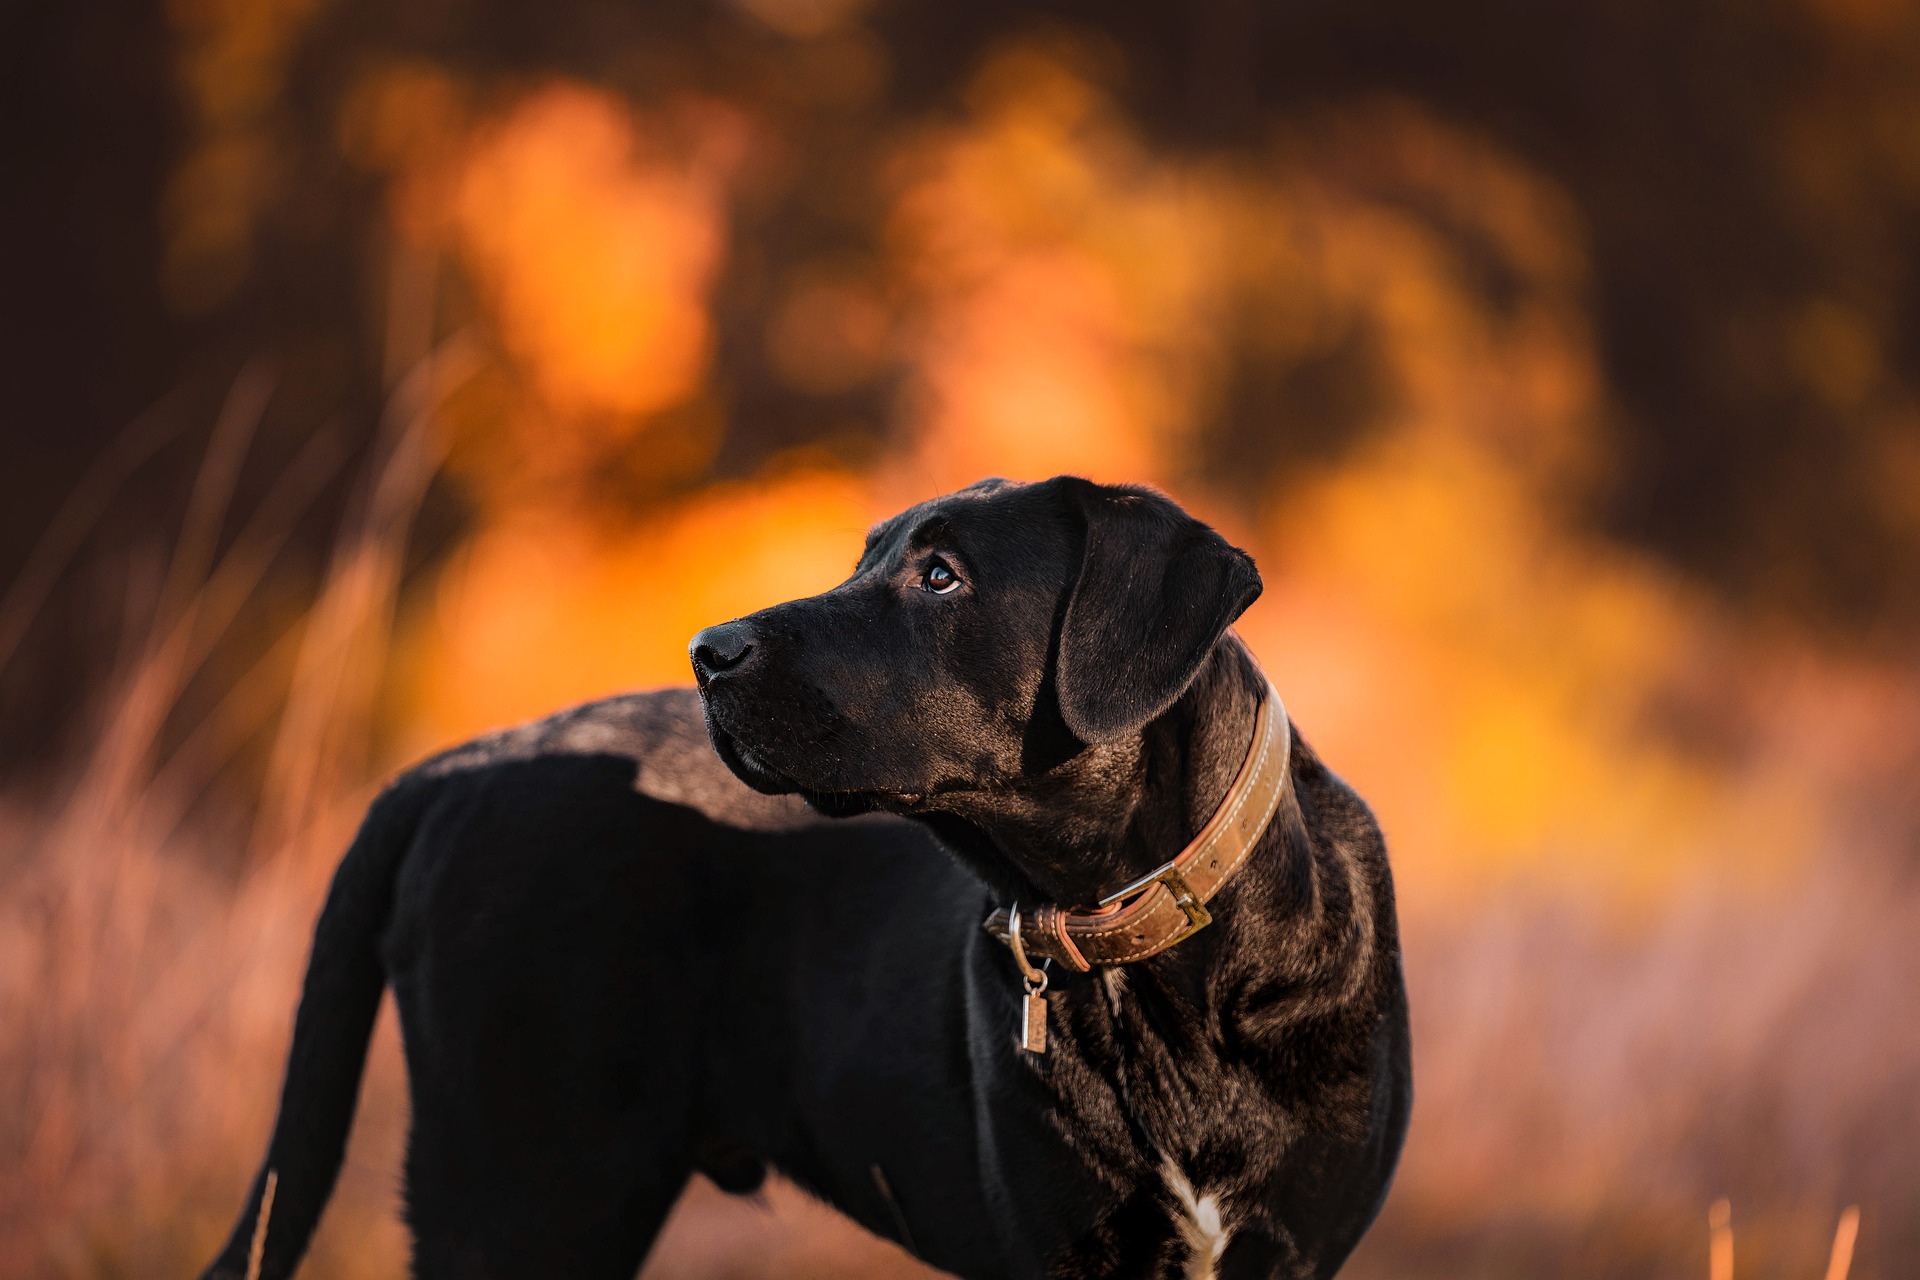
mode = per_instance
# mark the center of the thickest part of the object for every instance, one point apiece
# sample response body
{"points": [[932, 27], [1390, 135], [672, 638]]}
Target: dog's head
{"points": [[984, 642]]}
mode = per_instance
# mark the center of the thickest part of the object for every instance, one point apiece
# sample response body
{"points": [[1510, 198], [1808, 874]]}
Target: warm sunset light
{"points": [[1584, 483]]}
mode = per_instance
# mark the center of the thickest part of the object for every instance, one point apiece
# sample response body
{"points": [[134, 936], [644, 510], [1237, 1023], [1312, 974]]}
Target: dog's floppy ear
{"points": [[1157, 589]]}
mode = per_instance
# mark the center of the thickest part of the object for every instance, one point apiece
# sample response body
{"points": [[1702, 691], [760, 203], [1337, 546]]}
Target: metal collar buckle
{"points": [[1198, 917]]}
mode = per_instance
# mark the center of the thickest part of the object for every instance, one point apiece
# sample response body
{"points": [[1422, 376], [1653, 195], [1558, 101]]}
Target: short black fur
{"points": [[615, 966]]}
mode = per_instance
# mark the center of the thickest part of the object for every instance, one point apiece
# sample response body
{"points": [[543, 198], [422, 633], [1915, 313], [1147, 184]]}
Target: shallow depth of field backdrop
{"points": [[376, 374]]}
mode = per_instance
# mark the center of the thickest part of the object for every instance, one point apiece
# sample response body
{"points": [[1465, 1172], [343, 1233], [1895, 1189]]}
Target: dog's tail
{"points": [[338, 1002]]}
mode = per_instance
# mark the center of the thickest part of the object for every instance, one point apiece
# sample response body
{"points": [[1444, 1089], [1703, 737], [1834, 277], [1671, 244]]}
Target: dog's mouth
{"points": [[745, 764], [757, 772]]}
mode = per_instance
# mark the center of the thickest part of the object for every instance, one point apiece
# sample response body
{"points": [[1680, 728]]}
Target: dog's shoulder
{"points": [[661, 731]]}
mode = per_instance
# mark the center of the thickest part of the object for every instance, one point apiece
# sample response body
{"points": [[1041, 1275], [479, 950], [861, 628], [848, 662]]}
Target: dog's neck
{"points": [[1116, 810], [1190, 756]]}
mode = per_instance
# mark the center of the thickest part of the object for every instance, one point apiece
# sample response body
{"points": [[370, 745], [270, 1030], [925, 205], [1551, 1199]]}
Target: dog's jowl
{"points": [[1037, 939]]}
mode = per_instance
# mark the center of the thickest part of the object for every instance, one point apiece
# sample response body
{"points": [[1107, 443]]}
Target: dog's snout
{"points": [[719, 649]]}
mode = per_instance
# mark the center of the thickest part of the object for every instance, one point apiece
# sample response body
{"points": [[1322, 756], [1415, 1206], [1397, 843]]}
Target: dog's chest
{"points": [[1199, 1220], [1196, 1137], [1214, 1137]]}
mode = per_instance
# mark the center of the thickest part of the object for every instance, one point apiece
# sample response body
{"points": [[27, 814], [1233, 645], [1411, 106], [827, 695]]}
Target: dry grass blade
{"points": [[259, 1244], [212, 495], [111, 782], [132, 976], [354, 612], [1720, 1240], [76, 518], [1843, 1237]]}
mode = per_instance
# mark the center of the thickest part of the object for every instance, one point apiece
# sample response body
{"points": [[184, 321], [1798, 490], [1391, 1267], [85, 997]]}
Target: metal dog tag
{"points": [[1033, 1005], [1033, 1022]]}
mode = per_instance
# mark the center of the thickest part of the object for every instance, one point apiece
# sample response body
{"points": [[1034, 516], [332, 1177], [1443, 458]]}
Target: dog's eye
{"points": [[940, 578]]}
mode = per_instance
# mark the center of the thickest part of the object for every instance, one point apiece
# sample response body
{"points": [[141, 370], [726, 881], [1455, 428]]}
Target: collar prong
{"points": [[1134, 922]]}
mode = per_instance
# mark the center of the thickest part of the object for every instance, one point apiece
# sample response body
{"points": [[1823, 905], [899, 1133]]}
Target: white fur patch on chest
{"points": [[1199, 1222]]}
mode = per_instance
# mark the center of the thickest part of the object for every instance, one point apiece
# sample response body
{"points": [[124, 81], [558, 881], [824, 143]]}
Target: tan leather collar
{"points": [[1168, 904]]}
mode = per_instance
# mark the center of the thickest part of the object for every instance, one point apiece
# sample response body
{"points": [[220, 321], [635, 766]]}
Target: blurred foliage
{"points": [[377, 374], [198, 184]]}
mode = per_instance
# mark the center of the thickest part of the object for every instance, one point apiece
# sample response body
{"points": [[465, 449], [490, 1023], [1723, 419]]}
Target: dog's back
{"points": [[540, 900]]}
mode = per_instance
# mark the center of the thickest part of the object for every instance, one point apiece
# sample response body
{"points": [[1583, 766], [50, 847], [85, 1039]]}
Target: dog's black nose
{"points": [[719, 649]]}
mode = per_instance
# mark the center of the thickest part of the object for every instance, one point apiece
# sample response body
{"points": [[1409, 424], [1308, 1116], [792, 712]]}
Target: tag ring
{"points": [[1036, 979]]}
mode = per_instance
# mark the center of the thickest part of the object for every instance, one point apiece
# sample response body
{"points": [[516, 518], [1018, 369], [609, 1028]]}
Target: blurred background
{"points": [[373, 375]]}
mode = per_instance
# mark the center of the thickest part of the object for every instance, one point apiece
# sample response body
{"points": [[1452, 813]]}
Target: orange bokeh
{"points": [[596, 254], [1641, 833], [1481, 667], [541, 612]]}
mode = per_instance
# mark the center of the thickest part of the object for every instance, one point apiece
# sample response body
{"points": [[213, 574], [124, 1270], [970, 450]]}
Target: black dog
{"points": [[615, 966]]}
